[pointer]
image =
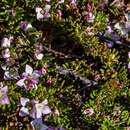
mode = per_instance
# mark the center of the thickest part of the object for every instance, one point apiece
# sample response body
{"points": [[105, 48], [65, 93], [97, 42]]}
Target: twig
{"points": [[111, 40], [86, 82], [61, 54]]}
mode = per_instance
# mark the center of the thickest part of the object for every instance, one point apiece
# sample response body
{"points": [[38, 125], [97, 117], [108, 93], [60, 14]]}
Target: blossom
{"points": [[6, 41], [89, 111], [6, 53], [42, 108], [3, 95], [25, 25], [40, 12], [124, 27], [89, 7], [33, 108], [39, 47], [59, 14], [73, 2], [43, 70], [48, 0], [30, 78], [110, 45], [56, 112], [38, 56], [90, 17], [27, 108], [10, 72], [13, 12], [37, 124]]}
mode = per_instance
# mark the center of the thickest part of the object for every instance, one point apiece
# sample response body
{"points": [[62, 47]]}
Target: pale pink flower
{"points": [[6, 53], [43, 70], [33, 108], [73, 2], [13, 12], [6, 41], [3, 95], [38, 56], [30, 78], [10, 72], [90, 17], [39, 47], [25, 25], [45, 15], [89, 7], [89, 111], [59, 14]]}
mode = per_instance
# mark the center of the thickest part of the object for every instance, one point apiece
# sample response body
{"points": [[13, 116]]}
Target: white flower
{"points": [[10, 72], [38, 56], [25, 25], [33, 108], [90, 17], [6, 53], [122, 27], [6, 42], [37, 124], [45, 15]]}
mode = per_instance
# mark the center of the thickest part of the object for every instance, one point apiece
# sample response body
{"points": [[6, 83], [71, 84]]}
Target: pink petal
{"points": [[20, 83], [4, 90]]}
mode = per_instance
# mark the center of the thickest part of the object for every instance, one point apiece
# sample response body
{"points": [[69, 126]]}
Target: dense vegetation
{"points": [[64, 64]]}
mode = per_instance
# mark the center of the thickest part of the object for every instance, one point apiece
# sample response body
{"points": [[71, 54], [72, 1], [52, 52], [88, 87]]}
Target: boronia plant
{"points": [[64, 65]]}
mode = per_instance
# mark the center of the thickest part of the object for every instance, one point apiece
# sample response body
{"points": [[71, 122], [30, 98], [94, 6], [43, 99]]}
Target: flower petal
{"points": [[4, 90], [20, 83], [28, 69], [36, 74], [45, 102], [37, 124], [23, 112], [38, 9], [46, 110], [23, 101]]}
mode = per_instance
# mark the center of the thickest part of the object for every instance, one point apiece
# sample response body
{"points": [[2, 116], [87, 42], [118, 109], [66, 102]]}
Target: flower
{"points": [[6, 53], [37, 124], [56, 112], [110, 45], [48, 0], [89, 7], [42, 108], [10, 72], [25, 25], [43, 13], [6, 41], [13, 12], [59, 14], [38, 56], [33, 108], [3, 95], [90, 17], [124, 27], [43, 70], [30, 78], [73, 2], [27, 107], [89, 111], [39, 47]]}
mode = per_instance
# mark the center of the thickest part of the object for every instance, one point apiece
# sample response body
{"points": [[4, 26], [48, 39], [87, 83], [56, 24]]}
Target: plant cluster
{"points": [[64, 64]]}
